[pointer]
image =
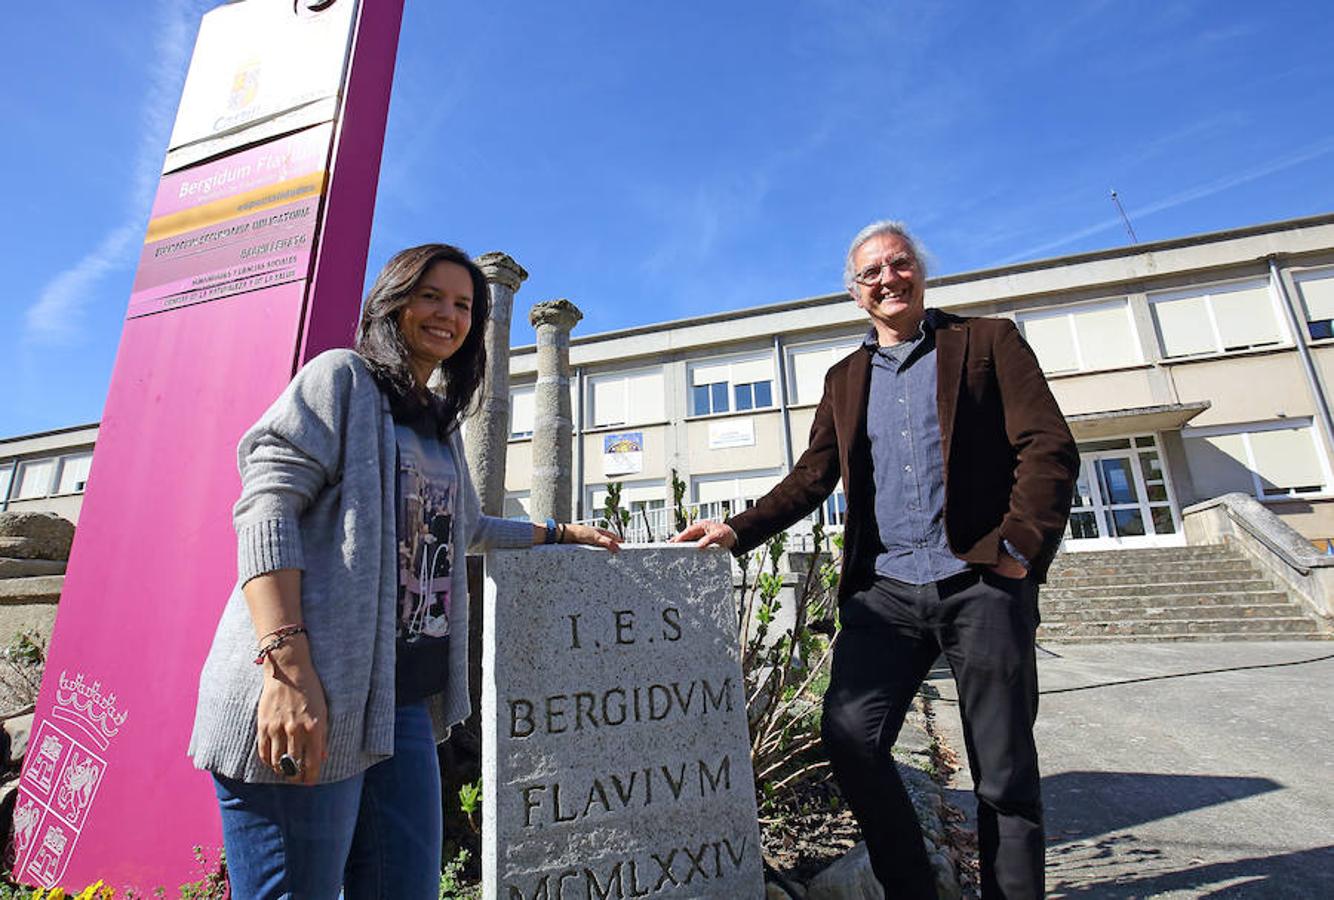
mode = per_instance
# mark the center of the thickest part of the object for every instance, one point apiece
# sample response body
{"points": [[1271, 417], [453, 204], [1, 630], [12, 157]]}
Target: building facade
{"points": [[1187, 368], [48, 471]]}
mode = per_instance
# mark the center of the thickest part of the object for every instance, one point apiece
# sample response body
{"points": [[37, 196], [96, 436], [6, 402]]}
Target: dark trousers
{"points": [[891, 634]]}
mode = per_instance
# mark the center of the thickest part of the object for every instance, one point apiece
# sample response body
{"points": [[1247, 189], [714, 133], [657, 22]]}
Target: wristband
{"points": [[551, 532]]}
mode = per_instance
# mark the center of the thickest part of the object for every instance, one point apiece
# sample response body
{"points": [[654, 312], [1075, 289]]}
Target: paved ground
{"points": [[1207, 785]]}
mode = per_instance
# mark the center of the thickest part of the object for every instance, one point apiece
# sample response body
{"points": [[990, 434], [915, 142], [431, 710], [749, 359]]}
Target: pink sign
{"points": [[107, 791], [236, 224]]}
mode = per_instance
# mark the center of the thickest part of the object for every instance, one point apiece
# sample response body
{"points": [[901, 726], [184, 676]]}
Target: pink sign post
{"points": [[253, 263]]}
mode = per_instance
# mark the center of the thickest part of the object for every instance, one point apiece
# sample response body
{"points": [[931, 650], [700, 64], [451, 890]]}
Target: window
{"points": [[6, 478], [740, 383], [1317, 290], [516, 506], [644, 500], [1234, 316], [34, 478], [626, 398], [1082, 338], [808, 363], [721, 495], [73, 475], [836, 508], [756, 395], [1269, 459], [522, 410]]}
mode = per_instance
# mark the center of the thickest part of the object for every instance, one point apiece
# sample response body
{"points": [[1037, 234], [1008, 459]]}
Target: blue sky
{"points": [[656, 160]]}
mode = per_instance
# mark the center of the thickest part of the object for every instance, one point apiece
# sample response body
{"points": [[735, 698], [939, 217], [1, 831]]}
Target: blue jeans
{"points": [[376, 834]]}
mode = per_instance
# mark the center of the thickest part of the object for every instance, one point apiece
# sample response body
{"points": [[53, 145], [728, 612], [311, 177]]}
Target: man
{"points": [[958, 469]]}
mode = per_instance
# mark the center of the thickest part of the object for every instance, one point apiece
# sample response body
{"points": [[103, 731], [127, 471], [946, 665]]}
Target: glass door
{"points": [[1122, 497]]}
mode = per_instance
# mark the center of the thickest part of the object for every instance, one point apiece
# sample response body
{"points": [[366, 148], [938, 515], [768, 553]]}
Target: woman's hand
{"points": [[293, 715], [706, 533], [593, 537]]}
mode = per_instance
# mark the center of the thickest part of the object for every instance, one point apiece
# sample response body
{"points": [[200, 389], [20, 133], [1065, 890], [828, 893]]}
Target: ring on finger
{"points": [[289, 765]]}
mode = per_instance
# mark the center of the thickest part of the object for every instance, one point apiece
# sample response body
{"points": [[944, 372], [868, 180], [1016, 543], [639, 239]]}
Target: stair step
{"points": [[31, 589], [22, 568], [1175, 638], [1154, 554], [1159, 588], [1200, 603], [1140, 574], [1290, 625], [1171, 613]]}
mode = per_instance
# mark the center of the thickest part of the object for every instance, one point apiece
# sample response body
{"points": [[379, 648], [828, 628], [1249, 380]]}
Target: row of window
{"points": [[1238, 315], [734, 384], [31, 479]]}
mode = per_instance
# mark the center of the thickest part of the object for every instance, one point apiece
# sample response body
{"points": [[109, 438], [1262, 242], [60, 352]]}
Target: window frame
{"points": [[1068, 311], [836, 348], [1317, 273], [592, 379], [511, 434], [730, 385], [1206, 292], [1244, 430]]}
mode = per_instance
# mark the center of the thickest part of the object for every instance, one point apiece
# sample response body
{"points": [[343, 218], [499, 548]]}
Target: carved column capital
{"points": [[561, 313], [500, 268]]}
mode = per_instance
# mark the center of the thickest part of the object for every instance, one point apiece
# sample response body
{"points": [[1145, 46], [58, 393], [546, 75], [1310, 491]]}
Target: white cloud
{"points": [[57, 315]]}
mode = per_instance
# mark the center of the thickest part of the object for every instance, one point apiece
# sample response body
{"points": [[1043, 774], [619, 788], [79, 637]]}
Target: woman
{"points": [[341, 657]]}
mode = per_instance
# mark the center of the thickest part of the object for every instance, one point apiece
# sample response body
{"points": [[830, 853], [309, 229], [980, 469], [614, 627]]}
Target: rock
{"points": [[48, 536], [33, 589], [850, 878], [775, 891], [24, 568], [16, 730], [9, 793]]}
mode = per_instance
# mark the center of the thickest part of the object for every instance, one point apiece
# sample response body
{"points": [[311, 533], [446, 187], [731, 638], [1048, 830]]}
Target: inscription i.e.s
{"points": [[625, 629]]}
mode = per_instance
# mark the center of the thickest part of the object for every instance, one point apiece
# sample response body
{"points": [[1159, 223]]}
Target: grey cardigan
{"points": [[317, 494]]}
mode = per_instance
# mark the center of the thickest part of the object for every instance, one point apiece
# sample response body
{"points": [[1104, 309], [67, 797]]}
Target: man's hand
{"points": [[1009, 567], [707, 533]]}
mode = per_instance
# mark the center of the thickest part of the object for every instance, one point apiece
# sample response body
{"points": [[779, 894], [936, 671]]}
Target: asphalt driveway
{"points": [[1211, 777]]}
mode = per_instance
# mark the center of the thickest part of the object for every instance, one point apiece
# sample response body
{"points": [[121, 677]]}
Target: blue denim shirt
{"points": [[907, 462]]}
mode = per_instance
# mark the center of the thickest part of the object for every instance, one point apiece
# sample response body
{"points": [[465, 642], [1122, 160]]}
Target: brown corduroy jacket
{"points": [[1010, 461]]}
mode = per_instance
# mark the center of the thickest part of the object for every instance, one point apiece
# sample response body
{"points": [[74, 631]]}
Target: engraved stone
{"points": [[616, 756]]}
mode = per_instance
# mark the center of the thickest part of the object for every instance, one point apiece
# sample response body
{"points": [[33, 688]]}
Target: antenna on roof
{"points": [[1125, 219]]}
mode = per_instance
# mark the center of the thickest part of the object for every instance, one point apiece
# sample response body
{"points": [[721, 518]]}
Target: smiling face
{"points": [[894, 295], [437, 318]]}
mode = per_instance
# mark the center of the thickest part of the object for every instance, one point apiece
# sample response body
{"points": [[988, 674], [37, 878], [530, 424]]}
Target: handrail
{"points": [[1258, 522]]}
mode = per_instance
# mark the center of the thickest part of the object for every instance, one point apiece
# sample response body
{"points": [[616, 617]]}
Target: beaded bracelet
{"points": [[280, 636]]}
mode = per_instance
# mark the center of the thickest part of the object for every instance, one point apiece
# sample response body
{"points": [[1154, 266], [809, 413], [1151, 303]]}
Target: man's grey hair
{"points": [[875, 229]]}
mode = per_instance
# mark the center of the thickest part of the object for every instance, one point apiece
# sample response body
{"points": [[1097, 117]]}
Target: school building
{"points": [[1187, 368]]}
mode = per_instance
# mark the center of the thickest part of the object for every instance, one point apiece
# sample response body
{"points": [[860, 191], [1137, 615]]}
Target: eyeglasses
{"points": [[872, 274]]}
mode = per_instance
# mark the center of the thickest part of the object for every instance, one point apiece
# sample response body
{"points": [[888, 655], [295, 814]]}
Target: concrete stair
{"points": [[1212, 593]]}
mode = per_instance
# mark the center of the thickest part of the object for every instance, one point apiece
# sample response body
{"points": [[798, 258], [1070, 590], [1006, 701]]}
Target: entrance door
{"points": [[1121, 497]]}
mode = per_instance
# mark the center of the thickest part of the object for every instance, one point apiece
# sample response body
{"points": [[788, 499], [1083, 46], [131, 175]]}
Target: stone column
{"points": [[553, 420], [486, 437]]}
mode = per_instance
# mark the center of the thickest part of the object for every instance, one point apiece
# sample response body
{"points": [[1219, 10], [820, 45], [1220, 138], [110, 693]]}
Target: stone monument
{"points": [[486, 434], [617, 756], [553, 420]]}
